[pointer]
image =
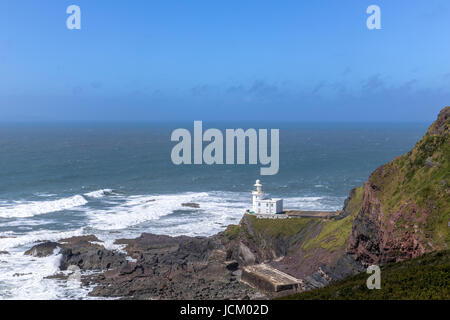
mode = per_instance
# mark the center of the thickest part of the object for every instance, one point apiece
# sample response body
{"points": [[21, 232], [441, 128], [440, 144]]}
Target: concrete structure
{"points": [[292, 214], [312, 214], [270, 280], [264, 205]]}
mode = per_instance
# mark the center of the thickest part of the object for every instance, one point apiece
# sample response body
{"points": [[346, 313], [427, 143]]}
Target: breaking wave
{"points": [[99, 193], [32, 208]]}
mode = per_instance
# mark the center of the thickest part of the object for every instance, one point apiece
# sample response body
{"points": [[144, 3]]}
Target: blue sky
{"points": [[224, 60]]}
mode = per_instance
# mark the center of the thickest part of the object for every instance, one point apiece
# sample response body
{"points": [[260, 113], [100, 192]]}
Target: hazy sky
{"points": [[224, 59]]}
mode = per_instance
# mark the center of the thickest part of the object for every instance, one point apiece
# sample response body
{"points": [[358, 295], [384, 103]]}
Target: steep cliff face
{"points": [[406, 203]]}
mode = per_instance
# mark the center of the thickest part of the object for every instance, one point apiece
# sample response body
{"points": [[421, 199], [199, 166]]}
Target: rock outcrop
{"points": [[43, 249], [191, 205], [173, 268], [85, 252]]}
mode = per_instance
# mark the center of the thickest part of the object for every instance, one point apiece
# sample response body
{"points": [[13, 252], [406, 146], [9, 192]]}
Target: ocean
{"points": [[118, 180]]}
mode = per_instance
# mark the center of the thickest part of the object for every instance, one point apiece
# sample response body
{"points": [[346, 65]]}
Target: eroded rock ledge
{"points": [[161, 267]]}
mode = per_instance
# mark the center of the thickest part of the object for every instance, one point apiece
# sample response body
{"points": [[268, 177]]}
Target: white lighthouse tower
{"points": [[258, 195], [263, 205]]}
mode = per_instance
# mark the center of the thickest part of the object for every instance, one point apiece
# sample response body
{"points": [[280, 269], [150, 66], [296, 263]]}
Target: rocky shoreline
{"points": [[163, 267], [154, 267]]}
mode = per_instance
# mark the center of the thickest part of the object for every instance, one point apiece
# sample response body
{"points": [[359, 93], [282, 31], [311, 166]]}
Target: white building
{"points": [[264, 205]]}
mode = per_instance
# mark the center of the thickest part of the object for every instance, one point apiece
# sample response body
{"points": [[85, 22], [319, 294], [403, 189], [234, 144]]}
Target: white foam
{"points": [[45, 195], [217, 210], [99, 193], [10, 241], [138, 209], [24, 277], [32, 208], [26, 222]]}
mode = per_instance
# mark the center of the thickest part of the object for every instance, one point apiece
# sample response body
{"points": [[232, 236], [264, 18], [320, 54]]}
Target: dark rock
{"points": [[171, 268], [191, 205], [42, 250], [58, 276], [232, 265], [20, 274], [82, 252], [85, 253]]}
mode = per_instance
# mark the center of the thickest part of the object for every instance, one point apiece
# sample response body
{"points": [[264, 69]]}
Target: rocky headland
{"points": [[401, 212]]}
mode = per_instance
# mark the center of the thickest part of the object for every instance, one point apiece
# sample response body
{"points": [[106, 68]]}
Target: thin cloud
{"points": [[374, 82]]}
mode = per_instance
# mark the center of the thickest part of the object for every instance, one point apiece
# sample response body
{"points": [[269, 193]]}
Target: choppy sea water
{"points": [[116, 181]]}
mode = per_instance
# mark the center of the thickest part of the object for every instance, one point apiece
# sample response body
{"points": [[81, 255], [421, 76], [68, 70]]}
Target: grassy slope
{"points": [[335, 233], [425, 277], [264, 230], [408, 184], [279, 227]]}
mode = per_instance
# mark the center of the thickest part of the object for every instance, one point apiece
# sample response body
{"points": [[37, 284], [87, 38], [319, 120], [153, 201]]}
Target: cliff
{"points": [[406, 202]]}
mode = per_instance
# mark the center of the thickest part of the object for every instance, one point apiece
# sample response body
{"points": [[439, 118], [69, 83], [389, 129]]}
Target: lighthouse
{"points": [[264, 205], [258, 195]]}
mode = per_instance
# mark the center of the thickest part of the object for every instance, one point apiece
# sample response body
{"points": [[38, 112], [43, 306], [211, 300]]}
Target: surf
{"points": [[27, 209]]}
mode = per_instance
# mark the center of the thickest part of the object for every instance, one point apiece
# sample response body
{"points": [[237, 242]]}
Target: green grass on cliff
{"points": [[233, 231], [355, 202], [251, 227], [417, 185], [334, 234], [280, 227], [423, 278]]}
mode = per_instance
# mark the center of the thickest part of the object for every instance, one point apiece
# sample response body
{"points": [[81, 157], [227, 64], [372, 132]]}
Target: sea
{"points": [[118, 181]]}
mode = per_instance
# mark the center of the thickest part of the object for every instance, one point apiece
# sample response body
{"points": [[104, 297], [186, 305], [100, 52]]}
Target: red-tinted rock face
{"points": [[377, 239], [364, 243], [405, 204]]}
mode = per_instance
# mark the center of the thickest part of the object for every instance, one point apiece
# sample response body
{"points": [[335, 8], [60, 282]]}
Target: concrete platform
{"points": [[269, 279], [311, 214]]}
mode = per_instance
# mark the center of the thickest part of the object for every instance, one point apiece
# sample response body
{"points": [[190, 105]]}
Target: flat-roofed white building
{"points": [[263, 204]]}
